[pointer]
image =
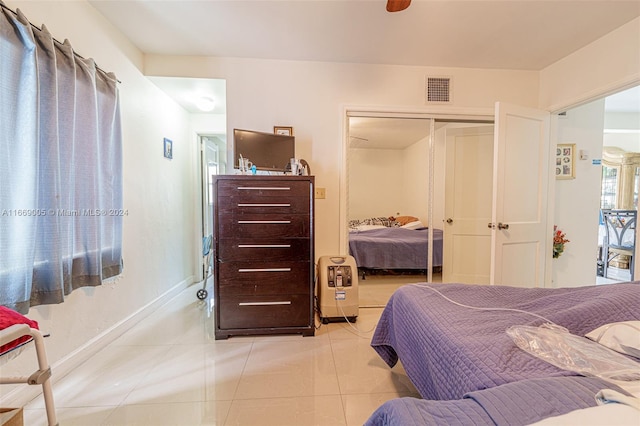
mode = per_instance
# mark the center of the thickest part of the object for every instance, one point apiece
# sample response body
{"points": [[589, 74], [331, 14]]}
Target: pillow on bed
{"points": [[623, 337], [369, 227], [413, 225], [9, 317], [384, 222], [403, 220]]}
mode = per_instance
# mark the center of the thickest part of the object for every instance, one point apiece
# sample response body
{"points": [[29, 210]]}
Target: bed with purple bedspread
{"points": [[512, 404], [449, 350], [394, 248]]}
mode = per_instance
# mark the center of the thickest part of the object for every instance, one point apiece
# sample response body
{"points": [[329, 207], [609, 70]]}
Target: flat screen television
{"points": [[267, 151]]}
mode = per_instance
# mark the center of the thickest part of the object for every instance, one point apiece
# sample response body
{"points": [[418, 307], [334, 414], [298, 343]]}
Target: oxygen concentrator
{"points": [[337, 289]]}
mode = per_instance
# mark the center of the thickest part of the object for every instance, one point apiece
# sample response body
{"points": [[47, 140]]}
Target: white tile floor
{"points": [[168, 370], [615, 275]]}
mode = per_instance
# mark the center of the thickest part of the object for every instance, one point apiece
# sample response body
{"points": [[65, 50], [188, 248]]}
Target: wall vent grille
{"points": [[438, 89]]}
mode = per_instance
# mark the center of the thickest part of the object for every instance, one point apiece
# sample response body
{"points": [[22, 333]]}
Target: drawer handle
{"points": [[288, 302], [264, 188], [264, 270], [264, 221], [264, 245], [263, 205]]}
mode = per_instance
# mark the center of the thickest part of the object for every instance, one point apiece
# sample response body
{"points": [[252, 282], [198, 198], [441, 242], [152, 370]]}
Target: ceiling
{"points": [[506, 34], [502, 34]]}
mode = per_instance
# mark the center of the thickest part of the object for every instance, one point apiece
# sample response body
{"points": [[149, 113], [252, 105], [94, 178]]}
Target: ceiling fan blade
{"points": [[397, 5]]}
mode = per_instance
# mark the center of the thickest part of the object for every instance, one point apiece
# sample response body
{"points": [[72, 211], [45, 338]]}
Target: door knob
{"points": [[503, 225], [449, 221]]}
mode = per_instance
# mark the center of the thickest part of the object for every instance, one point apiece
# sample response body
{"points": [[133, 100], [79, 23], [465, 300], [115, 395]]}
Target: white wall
{"points": [[389, 182], [577, 201], [375, 182], [313, 96], [415, 183], [159, 244]]}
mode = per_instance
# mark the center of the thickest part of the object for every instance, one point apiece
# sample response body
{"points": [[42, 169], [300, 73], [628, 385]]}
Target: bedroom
{"points": [[155, 187]]}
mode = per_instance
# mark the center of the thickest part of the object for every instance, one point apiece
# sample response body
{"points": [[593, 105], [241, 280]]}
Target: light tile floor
{"points": [[168, 370], [614, 275], [374, 290]]}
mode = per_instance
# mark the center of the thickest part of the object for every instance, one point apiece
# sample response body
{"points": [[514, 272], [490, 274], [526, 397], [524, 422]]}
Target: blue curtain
{"points": [[61, 209]]}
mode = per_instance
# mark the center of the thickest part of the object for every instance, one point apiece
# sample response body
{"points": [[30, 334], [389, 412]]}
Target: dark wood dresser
{"points": [[264, 255]]}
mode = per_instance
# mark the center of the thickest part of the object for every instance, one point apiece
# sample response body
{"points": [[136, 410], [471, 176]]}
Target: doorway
{"points": [[610, 121], [621, 137]]}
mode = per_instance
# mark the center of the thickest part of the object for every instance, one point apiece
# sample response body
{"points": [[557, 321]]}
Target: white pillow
{"points": [[413, 225], [623, 337], [369, 227]]}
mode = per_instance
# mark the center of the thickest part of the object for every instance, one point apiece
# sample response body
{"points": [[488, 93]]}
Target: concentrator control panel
{"points": [[339, 276]]}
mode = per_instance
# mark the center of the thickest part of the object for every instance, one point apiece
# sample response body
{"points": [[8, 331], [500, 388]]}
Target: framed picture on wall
{"points": [[281, 130], [565, 161], [168, 148]]}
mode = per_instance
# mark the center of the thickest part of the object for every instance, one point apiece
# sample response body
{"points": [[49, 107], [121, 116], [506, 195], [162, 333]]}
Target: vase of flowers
{"points": [[559, 240]]}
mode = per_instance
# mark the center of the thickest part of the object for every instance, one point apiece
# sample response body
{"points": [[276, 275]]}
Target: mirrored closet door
{"points": [[388, 208]]}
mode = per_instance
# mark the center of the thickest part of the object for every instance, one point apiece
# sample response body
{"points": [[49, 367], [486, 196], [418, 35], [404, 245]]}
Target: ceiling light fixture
{"points": [[205, 103]]}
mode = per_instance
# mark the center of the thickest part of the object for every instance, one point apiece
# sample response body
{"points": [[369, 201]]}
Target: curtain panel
{"points": [[61, 210]]}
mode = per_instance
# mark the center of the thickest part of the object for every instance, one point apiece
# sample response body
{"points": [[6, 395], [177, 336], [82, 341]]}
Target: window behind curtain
{"points": [[61, 209]]}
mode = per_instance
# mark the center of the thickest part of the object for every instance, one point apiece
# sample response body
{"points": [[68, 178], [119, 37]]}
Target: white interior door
{"points": [[520, 234], [468, 204]]}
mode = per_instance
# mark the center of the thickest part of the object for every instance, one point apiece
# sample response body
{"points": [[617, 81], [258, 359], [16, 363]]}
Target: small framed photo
{"points": [[565, 161], [168, 148], [280, 130]]}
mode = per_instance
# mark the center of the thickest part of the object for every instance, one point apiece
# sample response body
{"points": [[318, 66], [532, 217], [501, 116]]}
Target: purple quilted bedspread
{"points": [[395, 248], [512, 404], [449, 350]]}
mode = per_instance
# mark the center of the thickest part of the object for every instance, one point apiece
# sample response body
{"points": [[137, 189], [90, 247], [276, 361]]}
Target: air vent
{"points": [[438, 90]]}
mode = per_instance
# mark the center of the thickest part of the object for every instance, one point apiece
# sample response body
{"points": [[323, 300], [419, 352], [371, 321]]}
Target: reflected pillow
{"points": [[403, 220], [413, 225], [623, 337], [369, 227]]}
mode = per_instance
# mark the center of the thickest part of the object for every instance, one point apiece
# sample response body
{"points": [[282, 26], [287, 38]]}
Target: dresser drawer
{"points": [[250, 249], [260, 189], [263, 226], [255, 204], [293, 310], [264, 278]]}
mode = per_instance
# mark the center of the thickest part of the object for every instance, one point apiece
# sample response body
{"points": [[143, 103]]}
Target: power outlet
{"points": [[320, 193]]}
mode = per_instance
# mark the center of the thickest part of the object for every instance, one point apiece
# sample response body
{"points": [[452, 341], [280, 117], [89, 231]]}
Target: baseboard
{"points": [[22, 395]]}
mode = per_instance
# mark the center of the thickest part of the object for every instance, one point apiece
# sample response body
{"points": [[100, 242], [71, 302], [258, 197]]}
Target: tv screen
{"points": [[267, 151]]}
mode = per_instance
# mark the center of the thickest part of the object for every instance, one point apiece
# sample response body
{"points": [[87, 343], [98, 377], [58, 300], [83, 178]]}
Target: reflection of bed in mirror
{"points": [[379, 245]]}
